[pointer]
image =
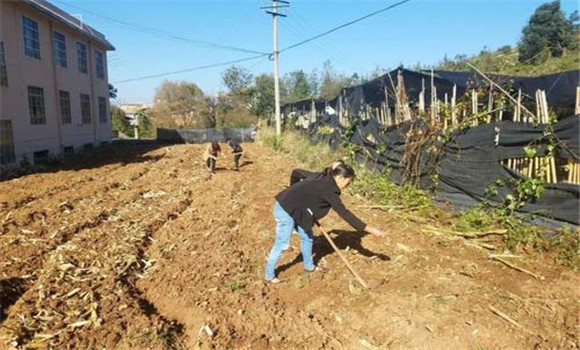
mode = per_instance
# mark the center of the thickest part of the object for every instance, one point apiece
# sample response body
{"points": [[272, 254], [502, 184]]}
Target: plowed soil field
{"points": [[136, 248]]}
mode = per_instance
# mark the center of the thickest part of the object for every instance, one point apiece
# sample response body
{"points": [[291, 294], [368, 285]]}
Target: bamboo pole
{"points": [[577, 109], [489, 104], [545, 112], [453, 101], [519, 106], [445, 121], [433, 98], [474, 110], [387, 108], [435, 106], [422, 97]]}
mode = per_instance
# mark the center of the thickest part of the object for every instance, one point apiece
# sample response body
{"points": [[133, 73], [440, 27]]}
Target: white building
{"points": [[53, 83]]}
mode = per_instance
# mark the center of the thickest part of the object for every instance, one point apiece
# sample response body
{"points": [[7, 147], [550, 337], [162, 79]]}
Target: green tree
{"points": [[548, 33], [262, 102], [119, 121], [314, 83], [144, 123], [237, 78], [112, 92], [232, 110], [332, 82], [297, 85], [181, 104]]}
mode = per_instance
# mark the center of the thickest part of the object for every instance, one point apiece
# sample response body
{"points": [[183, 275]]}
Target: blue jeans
{"points": [[284, 227]]}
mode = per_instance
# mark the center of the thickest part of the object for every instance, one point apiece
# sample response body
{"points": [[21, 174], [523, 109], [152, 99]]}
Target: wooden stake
{"points": [[554, 172], [346, 262], [577, 109], [519, 107], [545, 107], [474, 110], [489, 104], [387, 108], [433, 97], [453, 112]]}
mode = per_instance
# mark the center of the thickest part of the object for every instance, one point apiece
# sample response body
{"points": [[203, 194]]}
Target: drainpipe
{"points": [[55, 85], [94, 106]]}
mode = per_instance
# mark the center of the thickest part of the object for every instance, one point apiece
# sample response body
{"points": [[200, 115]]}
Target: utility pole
{"points": [[274, 11]]}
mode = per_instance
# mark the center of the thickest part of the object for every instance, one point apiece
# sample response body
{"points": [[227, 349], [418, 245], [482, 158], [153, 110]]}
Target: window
{"points": [[7, 155], [82, 58], [85, 108], [60, 49], [68, 150], [100, 65], [102, 110], [31, 41], [3, 74], [36, 105], [40, 157], [64, 104]]}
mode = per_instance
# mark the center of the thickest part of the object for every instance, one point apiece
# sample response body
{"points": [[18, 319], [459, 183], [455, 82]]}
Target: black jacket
{"points": [[236, 148], [311, 200], [298, 175]]}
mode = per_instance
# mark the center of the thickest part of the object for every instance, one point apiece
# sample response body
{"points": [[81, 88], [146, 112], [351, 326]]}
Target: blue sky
{"points": [[418, 31]]}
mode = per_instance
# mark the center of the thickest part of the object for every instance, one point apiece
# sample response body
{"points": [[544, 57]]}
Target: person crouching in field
{"points": [[211, 155], [306, 202], [237, 152]]}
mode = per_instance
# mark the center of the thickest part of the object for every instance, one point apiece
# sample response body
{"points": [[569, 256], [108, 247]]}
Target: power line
{"points": [[162, 33], [344, 25], [192, 69]]}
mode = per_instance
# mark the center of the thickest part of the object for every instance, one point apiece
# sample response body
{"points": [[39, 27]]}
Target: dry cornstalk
{"points": [[508, 319], [480, 245], [515, 267], [466, 234]]}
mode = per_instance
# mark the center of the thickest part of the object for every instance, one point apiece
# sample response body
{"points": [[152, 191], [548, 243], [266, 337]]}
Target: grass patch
{"points": [[236, 285]]}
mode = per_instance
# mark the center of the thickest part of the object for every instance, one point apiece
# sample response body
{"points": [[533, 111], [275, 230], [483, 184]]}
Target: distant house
{"points": [[54, 95], [131, 111]]}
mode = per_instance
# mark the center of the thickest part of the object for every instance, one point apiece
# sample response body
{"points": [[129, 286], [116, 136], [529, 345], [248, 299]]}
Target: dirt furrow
{"points": [[24, 255], [73, 172], [101, 266], [33, 228], [170, 259]]}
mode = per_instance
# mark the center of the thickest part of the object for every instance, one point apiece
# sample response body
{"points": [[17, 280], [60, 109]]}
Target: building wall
{"points": [[24, 71]]}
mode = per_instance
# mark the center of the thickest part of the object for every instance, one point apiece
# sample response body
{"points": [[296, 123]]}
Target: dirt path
{"points": [[144, 254]]}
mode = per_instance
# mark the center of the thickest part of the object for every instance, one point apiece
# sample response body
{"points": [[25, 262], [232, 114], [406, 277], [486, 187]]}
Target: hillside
{"points": [[505, 61]]}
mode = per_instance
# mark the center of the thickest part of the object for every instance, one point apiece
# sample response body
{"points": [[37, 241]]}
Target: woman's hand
{"points": [[375, 232]]}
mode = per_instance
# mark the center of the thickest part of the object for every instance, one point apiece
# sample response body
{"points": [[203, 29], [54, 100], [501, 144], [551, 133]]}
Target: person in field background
{"points": [[210, 156], [237, 152]]}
